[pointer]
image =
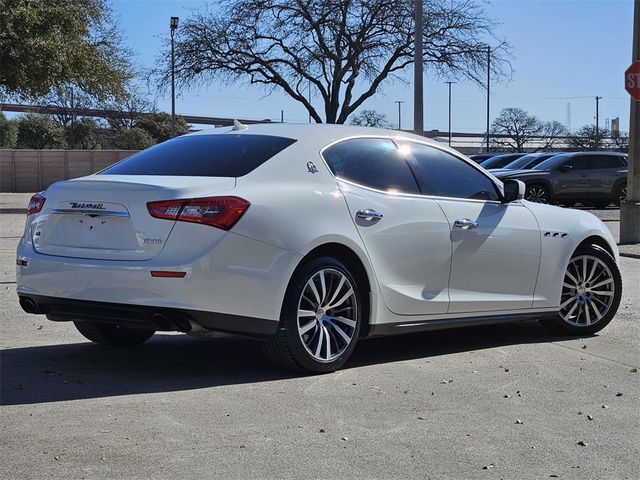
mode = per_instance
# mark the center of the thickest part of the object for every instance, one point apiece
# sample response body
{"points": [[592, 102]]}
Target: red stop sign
{"points": [[632, 81]]}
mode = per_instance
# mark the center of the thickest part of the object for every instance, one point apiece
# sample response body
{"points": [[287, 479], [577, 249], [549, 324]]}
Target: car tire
{"points": [[113, 335], [538, 193], [620, 194], [320, 319], [580, 305]]}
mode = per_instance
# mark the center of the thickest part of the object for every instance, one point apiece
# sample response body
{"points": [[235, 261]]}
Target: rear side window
{"points": [[605, 161], [444, 175], [223, 155], [372, 162]]}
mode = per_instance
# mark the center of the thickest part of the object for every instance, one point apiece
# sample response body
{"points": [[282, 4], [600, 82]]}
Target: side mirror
{"points": [[565, 168], [513, 190]]}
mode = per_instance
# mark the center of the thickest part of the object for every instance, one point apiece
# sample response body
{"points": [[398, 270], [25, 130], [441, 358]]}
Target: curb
{"points": [[13, 210]]}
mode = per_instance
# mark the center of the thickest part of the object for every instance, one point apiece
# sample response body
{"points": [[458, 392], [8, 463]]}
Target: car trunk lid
{"points": [[106, 216]]}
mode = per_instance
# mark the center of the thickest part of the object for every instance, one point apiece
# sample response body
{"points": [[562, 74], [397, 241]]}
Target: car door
{"points": [[571, 179], [605, 170], [495, 246], [406, 235]]}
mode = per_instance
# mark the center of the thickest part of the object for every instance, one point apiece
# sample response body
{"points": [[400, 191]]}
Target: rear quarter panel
{"points": [[298, 207]]}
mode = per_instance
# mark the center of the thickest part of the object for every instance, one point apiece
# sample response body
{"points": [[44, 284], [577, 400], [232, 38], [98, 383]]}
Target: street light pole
{"points": [[630, 208], [418, 102], [173, 25], [598, 121], [449, 83], [488, 91], [399, 102]]}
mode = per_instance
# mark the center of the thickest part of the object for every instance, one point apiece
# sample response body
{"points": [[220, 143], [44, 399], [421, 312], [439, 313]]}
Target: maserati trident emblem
{"points": [[312, 167], [91, 206]]}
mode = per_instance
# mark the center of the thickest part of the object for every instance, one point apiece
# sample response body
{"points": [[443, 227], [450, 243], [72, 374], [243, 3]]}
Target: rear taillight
{"points": [[220, 212], [35, 204]]}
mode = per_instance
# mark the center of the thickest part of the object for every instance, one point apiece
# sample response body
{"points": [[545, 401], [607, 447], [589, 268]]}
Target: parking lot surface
{"points": [[508, 401]]}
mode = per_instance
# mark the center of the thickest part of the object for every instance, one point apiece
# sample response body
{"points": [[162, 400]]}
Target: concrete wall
{"points": [[34, 170]]}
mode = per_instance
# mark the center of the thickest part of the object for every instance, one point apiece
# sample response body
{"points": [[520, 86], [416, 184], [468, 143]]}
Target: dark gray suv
{"points": [[598, 178]]}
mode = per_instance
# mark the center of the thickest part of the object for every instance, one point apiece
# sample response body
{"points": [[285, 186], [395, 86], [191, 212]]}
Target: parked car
{"points": [[525, 162], [499, 161], [598, 178], [310, 237], [481, 157]]}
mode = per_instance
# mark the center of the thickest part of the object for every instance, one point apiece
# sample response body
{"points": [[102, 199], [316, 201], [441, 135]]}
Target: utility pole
{"points": [[630, 208], [598, 121], [449, 83], [281, 116], [488, 91], [399, 102], [173, 25], [73, 122], [418, 102]]}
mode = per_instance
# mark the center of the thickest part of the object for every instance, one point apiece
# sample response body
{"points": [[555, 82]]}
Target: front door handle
{"points": [[369, 215], [465, 224]]}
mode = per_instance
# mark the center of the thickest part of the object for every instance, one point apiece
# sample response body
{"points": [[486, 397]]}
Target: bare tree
{"points": [[551, 134], [370, 118], [134, 103], [588, 138], [341, 49], [620, 141], [514, 128], [68, 99]]}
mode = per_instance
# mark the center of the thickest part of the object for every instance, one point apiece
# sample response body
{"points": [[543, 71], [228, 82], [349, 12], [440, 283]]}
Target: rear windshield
{"points": [[224, 155]]}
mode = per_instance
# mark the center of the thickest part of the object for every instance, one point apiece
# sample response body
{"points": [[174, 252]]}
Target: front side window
{"points": [[577, 163], [445, 175], [371, 162], [218, 155]]}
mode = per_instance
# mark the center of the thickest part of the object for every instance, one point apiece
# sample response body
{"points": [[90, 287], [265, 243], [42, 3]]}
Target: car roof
{"points": [[509, 154], [573, 154], [298, 131]]}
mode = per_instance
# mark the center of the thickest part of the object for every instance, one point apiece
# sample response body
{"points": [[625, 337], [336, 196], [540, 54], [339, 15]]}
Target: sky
{"points": [[566, 52]]}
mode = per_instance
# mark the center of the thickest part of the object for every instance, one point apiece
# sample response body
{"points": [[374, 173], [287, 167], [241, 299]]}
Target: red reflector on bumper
{"points": [[163, 274]]}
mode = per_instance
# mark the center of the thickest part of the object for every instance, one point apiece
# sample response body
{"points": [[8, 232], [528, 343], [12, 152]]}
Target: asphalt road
{"points": [[443, 405]]}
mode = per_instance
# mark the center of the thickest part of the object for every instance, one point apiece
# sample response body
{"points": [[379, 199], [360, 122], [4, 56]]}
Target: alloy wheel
{"points": [[587, 291], [622, 194], [327, 314], [537, 194]]}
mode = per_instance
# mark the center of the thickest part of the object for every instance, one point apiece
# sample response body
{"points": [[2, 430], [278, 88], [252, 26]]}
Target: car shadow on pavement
{"points": [[166, 363]]}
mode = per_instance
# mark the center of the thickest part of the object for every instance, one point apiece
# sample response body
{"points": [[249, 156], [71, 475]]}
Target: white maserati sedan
{"points": [[310, 237]]}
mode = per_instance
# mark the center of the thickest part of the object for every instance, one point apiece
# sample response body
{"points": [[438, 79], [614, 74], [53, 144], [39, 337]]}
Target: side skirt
{"points": [[398, 328]]}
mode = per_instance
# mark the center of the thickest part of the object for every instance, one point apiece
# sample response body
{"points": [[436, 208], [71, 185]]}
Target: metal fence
{"points": [[34, 170]]}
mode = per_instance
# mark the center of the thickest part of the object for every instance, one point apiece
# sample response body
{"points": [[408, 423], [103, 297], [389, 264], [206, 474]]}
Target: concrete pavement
{"points": [[485, 402]]}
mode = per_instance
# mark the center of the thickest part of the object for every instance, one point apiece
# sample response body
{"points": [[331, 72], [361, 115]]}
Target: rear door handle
{"points": [[369, 215], [465, 224]]}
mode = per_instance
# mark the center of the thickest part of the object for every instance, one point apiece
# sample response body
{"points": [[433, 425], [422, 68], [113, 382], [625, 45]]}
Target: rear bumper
{"points": [[237, 277], [145, 317]]}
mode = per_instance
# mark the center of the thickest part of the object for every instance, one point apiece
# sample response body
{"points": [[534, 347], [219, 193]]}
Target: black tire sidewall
{"points": [[289, 315]]}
